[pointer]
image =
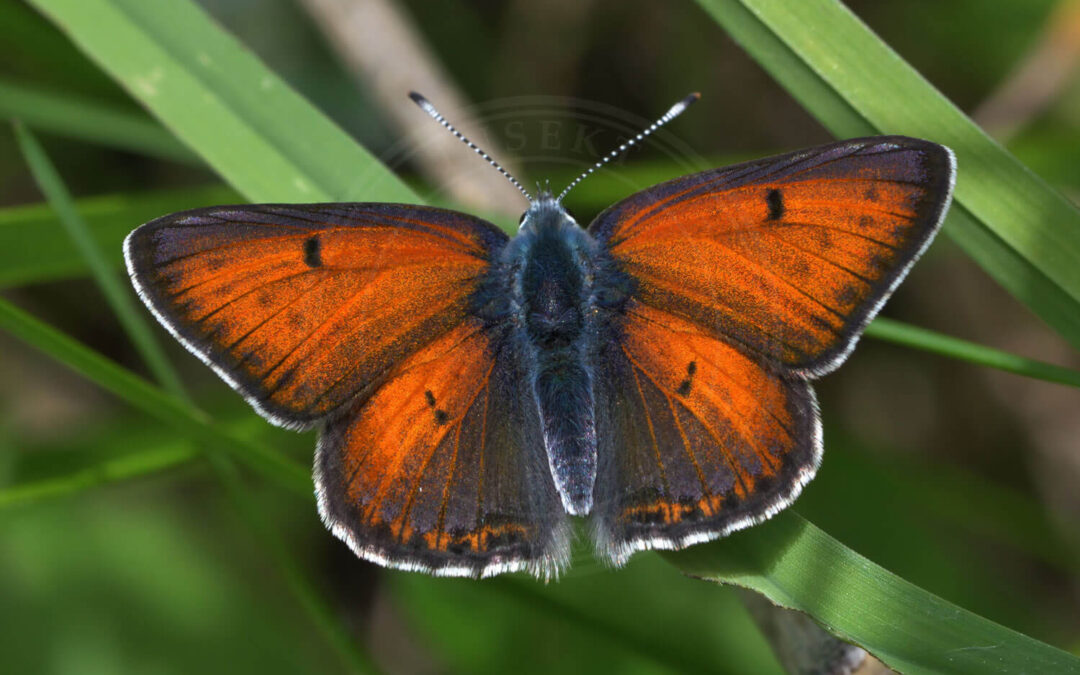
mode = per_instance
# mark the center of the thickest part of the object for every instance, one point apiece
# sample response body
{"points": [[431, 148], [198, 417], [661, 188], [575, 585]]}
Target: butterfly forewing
{"points": [[303, 307], [789, 256]]}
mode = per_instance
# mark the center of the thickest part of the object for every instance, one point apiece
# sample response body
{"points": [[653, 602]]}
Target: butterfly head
{"points": [[545, 212]]}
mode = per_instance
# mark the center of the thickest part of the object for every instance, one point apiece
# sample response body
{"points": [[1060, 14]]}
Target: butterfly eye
{"points": [[522, 219]]}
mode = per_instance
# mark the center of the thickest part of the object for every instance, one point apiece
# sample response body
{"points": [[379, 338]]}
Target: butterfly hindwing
{"points": [[696, 438], [443, 468], [302, 307], [789, 256]]}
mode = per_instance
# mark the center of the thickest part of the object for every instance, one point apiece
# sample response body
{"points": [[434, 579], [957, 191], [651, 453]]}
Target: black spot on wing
{"points": [[775, 202], [685, 385], [313, 251], [441, 416]]}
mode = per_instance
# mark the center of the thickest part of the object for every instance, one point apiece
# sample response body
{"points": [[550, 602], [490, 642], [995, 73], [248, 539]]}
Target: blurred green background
{"points": [[958, 478]]}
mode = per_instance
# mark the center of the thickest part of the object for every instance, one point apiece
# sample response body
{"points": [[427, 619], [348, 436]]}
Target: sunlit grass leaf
{"points": [[219, 99], [1022, 232], [798, 566], [921, 338], [931, 524], [89, 120]]}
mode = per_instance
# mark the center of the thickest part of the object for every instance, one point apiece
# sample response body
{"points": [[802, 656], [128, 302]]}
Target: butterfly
{"points": [[473, 391]]}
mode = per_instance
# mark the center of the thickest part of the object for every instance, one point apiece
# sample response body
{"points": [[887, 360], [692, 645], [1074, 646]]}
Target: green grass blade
{"points": [[88, 120], [135, 465], [945, 345], [119, 297], [221, 101], [798, 566], [34, 247], [1019, 230], [182, 417]]}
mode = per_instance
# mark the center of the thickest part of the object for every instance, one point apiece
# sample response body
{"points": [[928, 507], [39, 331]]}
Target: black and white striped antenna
{"points": [[430, 109], [671, 114]]}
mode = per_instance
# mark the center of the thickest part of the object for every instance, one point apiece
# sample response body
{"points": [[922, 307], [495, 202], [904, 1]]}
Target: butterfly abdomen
{"points": [[554, 292]]}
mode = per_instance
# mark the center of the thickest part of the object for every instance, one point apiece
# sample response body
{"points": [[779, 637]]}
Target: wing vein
{"points": [[789, 284], [686, 444], [435, 447], [726, 373], [233, 244], [648, 421], [666, 285], [345, 307], [727, 454], [272, 316], [202, 319]]}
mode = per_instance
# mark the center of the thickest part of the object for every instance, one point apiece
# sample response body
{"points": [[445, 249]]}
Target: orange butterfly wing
{"points": [[301, 308], [697, 438], [744, 283], [789, 256], [443, 469], [374, 320]]}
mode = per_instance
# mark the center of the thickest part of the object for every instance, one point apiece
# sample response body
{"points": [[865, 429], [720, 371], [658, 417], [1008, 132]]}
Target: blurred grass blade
{"points": [[193, 424], [945, 345], [88, 120], [644, 646], [34, 247], [120, 300], [135, 465], [251, 127], [119, 297], [183, 418], [798, 566], [1022, 232], [352, 653]]}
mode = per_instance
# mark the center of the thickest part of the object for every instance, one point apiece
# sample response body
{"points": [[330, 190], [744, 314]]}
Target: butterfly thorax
{"points": [[552, 259]]}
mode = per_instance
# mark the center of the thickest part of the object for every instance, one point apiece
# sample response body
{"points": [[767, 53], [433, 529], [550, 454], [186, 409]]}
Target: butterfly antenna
{"points": [[426, 106], [671, 114]]}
